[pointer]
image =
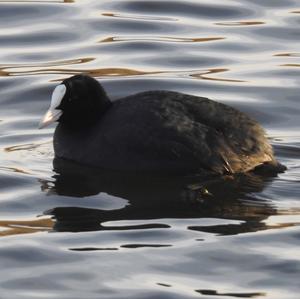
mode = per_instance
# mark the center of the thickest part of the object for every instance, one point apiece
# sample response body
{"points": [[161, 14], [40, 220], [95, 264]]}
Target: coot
{"points": [[160, 131]]}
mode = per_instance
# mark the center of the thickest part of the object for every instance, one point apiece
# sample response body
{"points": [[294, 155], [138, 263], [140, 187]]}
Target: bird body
{"points": [[166, 131]]}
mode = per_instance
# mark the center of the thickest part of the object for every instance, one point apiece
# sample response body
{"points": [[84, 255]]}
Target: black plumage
{"points": [[160, 131]]}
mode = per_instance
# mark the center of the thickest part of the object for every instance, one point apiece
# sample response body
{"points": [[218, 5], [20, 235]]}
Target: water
{"points": [[69, 233]]}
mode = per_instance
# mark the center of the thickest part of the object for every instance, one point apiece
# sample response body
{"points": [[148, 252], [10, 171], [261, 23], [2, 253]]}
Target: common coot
{"points": [[161, 131]]}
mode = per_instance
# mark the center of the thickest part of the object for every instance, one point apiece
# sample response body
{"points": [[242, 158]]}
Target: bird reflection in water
{"points": [[152, 197]]}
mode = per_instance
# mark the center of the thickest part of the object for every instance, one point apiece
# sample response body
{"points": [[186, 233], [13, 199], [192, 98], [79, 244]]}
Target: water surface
{"points": [[67, 232]]}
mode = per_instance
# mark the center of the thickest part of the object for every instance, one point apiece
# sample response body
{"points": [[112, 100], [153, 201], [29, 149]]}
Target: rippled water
{"points": [[69, 233]]}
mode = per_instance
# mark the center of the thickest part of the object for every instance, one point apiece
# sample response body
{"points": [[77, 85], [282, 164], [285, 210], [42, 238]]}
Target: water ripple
{"points": [[179, 8], [17, 227], [72, 233], [138, 17], [37, 1], [160, 39], [22, 69], [241, 23], [235, 295]]}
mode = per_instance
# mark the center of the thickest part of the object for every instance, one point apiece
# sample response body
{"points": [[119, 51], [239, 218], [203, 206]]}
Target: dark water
{"points": [[70, 233]]}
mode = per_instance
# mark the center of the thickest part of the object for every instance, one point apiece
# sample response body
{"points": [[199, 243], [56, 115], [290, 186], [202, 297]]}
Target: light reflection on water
{"points": [[70, 233]]}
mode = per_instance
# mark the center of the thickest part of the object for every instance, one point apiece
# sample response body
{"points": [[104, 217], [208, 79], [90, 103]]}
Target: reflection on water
{"points": [[241, 23], [160, 39], [41, 68], [236, 295], [38, 1], [13, 169], [288, 54], [68, 232], [213, 71], [291, 64], [109, 72], [21, 70], [154, 18], [9, 228], [22, 147], [152, 197]]}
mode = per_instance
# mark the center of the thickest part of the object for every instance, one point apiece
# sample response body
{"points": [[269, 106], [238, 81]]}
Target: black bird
{"points": [[154, 131]]}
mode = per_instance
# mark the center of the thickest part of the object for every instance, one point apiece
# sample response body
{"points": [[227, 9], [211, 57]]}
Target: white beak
{"points": [[50, 117], [54, 114]]}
